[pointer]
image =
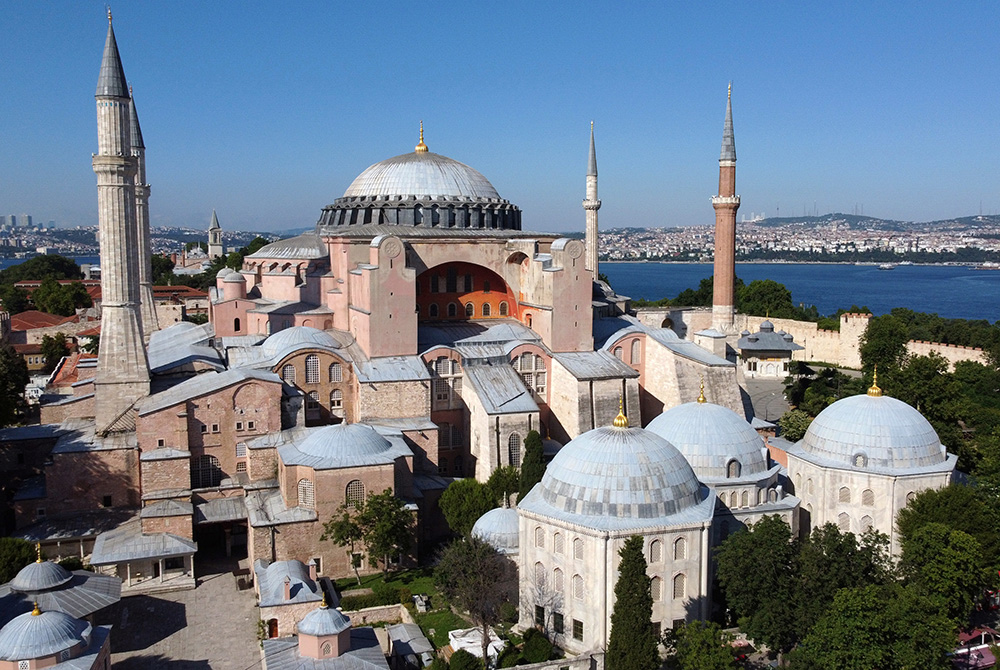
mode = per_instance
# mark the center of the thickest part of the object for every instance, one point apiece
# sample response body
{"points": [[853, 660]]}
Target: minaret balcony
{"points": [[723, 200], [591, 204]]}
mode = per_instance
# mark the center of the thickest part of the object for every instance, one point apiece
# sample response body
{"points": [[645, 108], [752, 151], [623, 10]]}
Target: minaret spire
{"points": [[725, 203], [728, 142], [590, 206], [215, 247], [147, 306]]}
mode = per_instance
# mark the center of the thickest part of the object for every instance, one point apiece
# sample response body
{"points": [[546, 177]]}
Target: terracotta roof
{"points": [[35, 319], [90, 332], [68, 373], [34, 348]]}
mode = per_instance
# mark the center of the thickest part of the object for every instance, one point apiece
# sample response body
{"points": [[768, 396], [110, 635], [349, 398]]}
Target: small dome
{"points": [[874, 432], [345, 442], [235, 277], [744, 332], [296, 336], [620, 472], [421, 174], [323, 621], [40, 576], [766, 327], [224, 272], [499, 529], [31, 635], [711, 437]]}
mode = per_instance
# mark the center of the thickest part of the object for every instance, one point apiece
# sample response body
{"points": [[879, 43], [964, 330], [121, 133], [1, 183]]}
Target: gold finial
{"points": [[730, 95], [874, 391], [38, 552], [323, 604], [591, 126], [621, 421], [108, 7], [421, 147], [701, 395], [36, 611]]}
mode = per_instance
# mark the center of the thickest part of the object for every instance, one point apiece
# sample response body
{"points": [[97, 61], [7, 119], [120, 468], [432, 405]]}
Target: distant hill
{"points": [[857, 222]]}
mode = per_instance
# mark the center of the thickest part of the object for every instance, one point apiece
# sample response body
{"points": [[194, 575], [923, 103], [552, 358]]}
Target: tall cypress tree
{"points": [[532, 466], [632, 644]]}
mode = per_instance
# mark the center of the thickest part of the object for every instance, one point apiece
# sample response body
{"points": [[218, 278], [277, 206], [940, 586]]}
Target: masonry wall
{"points": [[82, 407], [166, 474], [952, 353], [76, 482], [176, 525], [393, 400]]}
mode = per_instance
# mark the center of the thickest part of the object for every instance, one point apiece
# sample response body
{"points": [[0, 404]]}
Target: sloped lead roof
{"points": [[135, 130], [111, 81]]}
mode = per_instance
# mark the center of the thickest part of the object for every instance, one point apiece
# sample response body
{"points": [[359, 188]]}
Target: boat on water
{"points": [[988, 265], [887, 266]]}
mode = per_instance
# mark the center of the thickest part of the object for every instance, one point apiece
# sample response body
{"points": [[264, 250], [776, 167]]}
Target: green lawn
{"points": [[440, 621], [418, 581]]}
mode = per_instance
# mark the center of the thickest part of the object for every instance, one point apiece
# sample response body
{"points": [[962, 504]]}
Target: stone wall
{"points": [[952, 353]]}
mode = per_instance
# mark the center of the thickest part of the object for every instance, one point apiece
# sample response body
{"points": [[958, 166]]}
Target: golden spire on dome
{"points": [[874, 391], [36, 611], [621, 421], [322, 603], [421, 147], [701, 394], [38, 552]]}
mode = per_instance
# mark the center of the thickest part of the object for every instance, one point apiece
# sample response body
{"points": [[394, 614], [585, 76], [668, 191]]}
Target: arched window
{"points": [[470, 309], [327, 649], [503, 309], [527, 320], [656, 588], [772, 495], [336, 372], [514, 449], [844, 495], [680, 549], [307, 497], [868, 498], [636, 356], [910, 497], [444, 434], [844, 522], [866, 523], [432, 310], [312, 369], [452, 309], [734, 500], [312, 400], [355, 493], [486, 309], [468, 283], [655, 551], [860, 460], [486, 287], [288, 373], [745, 499], [618, 353], [680, 586], [557, 580], [539, 537], [577, 548], [336, 399], [205, 471], [435, 284], [557, 543], [236, 324], [809, 486], [539, 576], [733, 469], [578, 587]]}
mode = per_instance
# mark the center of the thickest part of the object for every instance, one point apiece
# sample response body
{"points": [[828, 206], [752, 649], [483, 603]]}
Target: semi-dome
{"points": [[36, 634], [342, 441], [618, 472], [40, 576], [421, 174], [307, 246], [874, 432], [499, 529], [297, 337], [234, 277], [323, 621], [712, 438]]}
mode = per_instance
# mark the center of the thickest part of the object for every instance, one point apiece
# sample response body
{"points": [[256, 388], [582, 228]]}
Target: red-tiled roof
{"points": [[34, 319], [68, 374]]}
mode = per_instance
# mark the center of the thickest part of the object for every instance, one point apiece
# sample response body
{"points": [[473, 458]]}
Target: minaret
{"points": [[147, 306], [122, 369], [215, 238], [725, 204], [591, 205]]}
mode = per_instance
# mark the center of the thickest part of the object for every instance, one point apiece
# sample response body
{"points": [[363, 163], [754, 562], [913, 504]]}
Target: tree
{"points": [[13, 379], [703, 646], [532, 466], [463, 660], [163, 270], [632, 643], [766, 297], [61, 299], [754, 569], [345, 532], [502, 484], [15, 553], [54, 347], [13, 299], [386, 528], [794, 424], [959, 508], [883, 344], [946, 566], [463, 502], [478, 579], [40, 267]]}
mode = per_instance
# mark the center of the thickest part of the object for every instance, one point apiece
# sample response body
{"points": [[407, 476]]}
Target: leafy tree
{"points": [[532, 466], [13, 378], [767, 297], [794, 424], [13, 299], [163, 270], [537, 647], [946, 566], [883, 344], [632, 643], [478, 579], [54, 347], [61, 299], [463, 660], [386, 528], [704, 646], [502, 484], [345, 531], [754, 566], [959, 508], [463, 502], [15, 553], [40, 267]]}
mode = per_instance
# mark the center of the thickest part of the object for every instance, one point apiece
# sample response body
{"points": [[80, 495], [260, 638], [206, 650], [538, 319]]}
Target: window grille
{"points": [[656, 588], [557, 580], [312, 369], [844, 495], [844, 522], [470, 309], [288, 373], [540, 577], [514, 449], [680, 549], [336, 372], [503, 309], [307, 496], [486, 309], [557, 543], [205, 471], [577, 548], [336, 399], [578, 587], [539, 537], [241, 449], [868, 498], [866, 523], [680, 586], [636, 349], [655, 551], [355, 493]]}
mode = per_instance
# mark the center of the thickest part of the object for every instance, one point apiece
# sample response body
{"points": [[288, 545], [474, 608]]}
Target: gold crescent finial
{"points": [[421, 147], [701, 394], [621, 421], [36, 611], [874, 391], [108, 7], [323, 602], [730, 96], [591, 126], [38, 552]]}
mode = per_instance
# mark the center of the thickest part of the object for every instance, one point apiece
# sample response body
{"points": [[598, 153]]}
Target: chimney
{"points": [[312, 569], [288, 587]]}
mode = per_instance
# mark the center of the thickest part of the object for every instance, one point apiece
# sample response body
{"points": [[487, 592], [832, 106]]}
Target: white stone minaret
{"points": [[215, 248], [142, 235], [591, 205], [122, 369]]}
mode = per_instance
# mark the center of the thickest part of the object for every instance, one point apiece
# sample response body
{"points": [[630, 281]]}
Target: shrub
{"points": [[72, 563], [537, 647], [463, 660], [510, 657], [508, 613], [438, 664]]}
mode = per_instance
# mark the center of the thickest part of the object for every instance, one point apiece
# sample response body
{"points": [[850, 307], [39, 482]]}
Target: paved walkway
{"points": [[211, 627], [767, 397]]}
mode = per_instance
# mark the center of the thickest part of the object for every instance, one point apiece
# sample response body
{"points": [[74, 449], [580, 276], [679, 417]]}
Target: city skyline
{"points": [[268, 114]]}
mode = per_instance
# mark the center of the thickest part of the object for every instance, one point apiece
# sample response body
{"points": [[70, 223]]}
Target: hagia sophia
{"points": [[417, 336]]}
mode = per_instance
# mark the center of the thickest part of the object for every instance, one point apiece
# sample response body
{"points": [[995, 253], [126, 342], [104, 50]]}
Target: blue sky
{"points": [[267, 111]]}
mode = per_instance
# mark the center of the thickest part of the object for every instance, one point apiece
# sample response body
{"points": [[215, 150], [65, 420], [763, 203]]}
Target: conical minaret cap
{"points": [[592, 162], [111, 81], [728, 142], [134, 128], [215, 222]]}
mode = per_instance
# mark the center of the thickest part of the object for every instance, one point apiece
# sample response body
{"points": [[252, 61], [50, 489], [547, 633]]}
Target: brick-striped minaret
{"points": [[122, 367], [147, 306], [725, 203], [591, 205]]}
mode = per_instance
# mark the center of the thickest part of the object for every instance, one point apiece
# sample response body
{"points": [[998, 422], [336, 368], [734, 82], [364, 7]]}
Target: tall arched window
{"points": [[733, 469], [680, 549], [336, 400], [844, 522], [307, 497], [655, 551], [734, 500], [557, 580], [577, 548], [503, 309], [619, 354], [656, 588], [452, 309], [680, 586], [336, 372], [236, 324], [557, 543], [312, 369], [540, 577], [866, 523], [486, 309], [288, 373], [844, 495], [578, 587], [636, 352], [745, 499], [355, 493], [539, 537], [910, 497], [326, 649], [470, 309], [514, 449], [444, 434], [205, 471], [868, 498]]}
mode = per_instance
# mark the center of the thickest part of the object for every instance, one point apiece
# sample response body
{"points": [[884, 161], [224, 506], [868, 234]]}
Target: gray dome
{"points": [[31, 635], [40, 576], [617, 472], [234, 276], [421, 174], [873, 432], [345, 442], [766, 326], [307, 246], [710, 437], [224, 272], [324, 621], [499, 529], [296, 336]]}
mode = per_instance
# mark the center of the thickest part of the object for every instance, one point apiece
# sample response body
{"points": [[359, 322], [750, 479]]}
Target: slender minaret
{"points": [[147, 306], [215, 238], [725, 204], [122, 369], [591, 205]]}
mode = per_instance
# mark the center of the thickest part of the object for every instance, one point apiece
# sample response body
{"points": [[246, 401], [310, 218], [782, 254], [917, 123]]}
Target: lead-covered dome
{"points": [[37, 634], [40, 576], [873, 432], [421, 174], [297, 337], [499, 529], [712, 438], [342, 440], [323, 621]]}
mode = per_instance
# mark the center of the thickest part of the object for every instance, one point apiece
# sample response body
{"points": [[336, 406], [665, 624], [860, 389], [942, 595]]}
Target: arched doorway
{"points": [[462, 291]]}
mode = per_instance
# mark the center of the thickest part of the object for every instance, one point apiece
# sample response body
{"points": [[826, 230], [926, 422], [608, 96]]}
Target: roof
{"points": [[40, 576], [202, 384], [344, 446], [265, 507], [601, 364], [323, 620], [308, 246], [221, 509], [592, 158], [84, 593], [607, 331], [166, 508], [271, 578], [365, 654], [500, 389], [768, 340], [75, 527], [391, 369], [407, 639], [370, 230], [33, 635], [128, 543], [499, 529], [728, 142], [33, 318], [111, 80], [297, 337], [135, 132], [215, 222], [421, 174]]}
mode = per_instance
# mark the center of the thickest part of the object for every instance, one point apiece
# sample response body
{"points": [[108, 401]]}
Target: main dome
{"points": [[421, 174]]}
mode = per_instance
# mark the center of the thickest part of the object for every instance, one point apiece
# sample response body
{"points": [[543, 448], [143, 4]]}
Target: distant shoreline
{"points": [[780, 262]]}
